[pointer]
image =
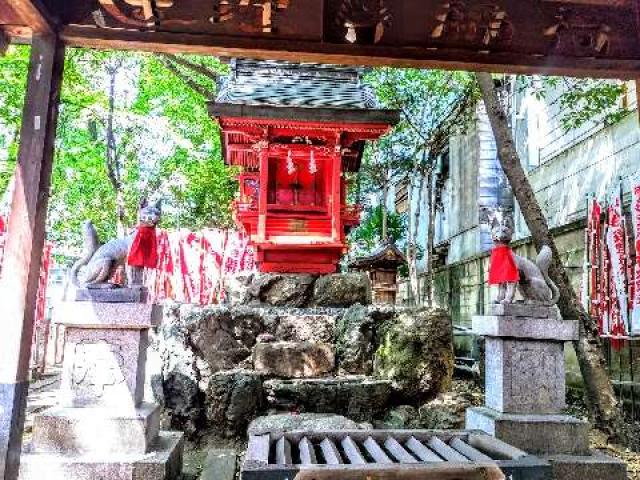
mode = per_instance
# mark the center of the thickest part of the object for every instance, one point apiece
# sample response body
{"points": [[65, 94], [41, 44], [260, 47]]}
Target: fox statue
{"points": [[510, 271], [99, 262]]}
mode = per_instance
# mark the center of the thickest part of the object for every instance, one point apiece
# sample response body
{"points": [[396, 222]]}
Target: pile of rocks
{"points": [[296, 343]]}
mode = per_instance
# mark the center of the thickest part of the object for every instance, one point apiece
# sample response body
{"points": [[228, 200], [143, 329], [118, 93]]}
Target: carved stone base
{"points": [[103, 368], [524, 366], [105, 353], [82, 431], [596, 466], [110, 295], [535, 434], [164, 462]]}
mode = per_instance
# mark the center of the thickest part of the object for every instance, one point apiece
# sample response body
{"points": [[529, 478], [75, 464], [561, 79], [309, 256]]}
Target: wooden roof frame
{"points": [[35, 18], [31, 21]]}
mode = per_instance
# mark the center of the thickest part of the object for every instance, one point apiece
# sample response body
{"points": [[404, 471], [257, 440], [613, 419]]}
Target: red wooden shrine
{"points": [[293, 159]]}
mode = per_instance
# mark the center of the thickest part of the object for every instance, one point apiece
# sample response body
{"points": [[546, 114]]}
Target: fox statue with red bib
{"points": [[510, 271]]}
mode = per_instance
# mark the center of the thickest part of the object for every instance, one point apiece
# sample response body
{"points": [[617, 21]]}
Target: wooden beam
{"points": [[372, 55], [23, 249], [33, 15], [263, 193], [638, 98], [4, 42]]}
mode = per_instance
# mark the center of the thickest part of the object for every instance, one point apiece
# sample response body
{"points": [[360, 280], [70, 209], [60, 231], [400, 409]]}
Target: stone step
{"points": [[163, 463], [359, 398], [596, 466], [219, 465], [294, 359], [82, 431]]}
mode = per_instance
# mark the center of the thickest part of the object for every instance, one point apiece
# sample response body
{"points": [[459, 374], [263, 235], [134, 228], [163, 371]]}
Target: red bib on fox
{"points": [[144, 250], [503, 267]]}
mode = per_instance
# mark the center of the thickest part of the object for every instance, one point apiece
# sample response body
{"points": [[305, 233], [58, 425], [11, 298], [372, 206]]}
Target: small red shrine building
{"points": [[295, 132]]}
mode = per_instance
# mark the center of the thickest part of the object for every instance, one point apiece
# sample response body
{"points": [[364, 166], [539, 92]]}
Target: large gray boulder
{"points": [[416, 354], [224, 337], [233, 399], [359, 398], [177, 386], [342, 290], [294, 359], [303, 422], [355, 337], [269, 289], [282, 290]]}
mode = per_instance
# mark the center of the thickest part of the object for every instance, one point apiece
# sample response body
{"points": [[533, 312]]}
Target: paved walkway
{"points": [[43, 394]]}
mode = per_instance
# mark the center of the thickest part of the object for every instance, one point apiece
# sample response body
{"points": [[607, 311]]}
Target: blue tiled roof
{"points": [[285, 84]]}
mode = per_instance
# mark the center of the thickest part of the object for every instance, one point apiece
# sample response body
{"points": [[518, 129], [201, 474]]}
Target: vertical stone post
{"points": [[525, 381], [102, 427], [23, 251]]}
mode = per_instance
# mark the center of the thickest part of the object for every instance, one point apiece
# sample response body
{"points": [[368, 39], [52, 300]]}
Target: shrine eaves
{"points": [[571, 37]]}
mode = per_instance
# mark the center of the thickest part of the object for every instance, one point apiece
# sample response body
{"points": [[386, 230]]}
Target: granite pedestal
{"points": [[101, 427], [525, 388]]}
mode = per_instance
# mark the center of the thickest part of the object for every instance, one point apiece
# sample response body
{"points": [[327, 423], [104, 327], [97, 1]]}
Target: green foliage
{"points": [[369, 234], [582, 100], [167, 144], [13, 68], [195, 182]]}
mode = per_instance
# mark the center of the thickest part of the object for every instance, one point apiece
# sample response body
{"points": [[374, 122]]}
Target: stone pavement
{"points": [[43, 394]]}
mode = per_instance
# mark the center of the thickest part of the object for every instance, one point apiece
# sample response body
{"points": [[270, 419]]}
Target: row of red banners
{"points": [[613, 279], [193, 266], [41, 330]]}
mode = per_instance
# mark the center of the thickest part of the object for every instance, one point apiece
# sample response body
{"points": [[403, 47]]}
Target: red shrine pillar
{"points": [[336, 201], [263, 193]]}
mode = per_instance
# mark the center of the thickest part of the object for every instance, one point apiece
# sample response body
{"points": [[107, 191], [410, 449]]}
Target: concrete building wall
{"points": [[563, 168]]}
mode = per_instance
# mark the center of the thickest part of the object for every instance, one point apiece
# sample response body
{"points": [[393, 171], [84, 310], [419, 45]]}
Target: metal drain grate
{"points": [[381, 454]]}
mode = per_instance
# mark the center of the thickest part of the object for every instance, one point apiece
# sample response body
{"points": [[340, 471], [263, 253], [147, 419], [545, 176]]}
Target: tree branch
{"points": [[195, 86], [196, 67]]}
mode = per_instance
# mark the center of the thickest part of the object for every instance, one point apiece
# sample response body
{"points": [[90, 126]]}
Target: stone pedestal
{"points": [[101, 427], [525, 385]]}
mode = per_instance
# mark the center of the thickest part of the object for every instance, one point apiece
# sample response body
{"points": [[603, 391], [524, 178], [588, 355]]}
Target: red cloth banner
{"points": [[635, 293], [616, 241], [614, 279], [192, 266]]}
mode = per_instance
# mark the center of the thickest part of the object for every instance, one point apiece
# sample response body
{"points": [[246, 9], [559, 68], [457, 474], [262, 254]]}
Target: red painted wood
{"points": [[262, 203], [292, 207], [336, 201]]}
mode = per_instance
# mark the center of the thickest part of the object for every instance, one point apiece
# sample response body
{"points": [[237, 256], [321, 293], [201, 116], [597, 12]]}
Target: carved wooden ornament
{"points": [[144, 13]]}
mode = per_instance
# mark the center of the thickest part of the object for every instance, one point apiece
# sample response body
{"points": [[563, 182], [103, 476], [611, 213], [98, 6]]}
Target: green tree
{"points": [[131, 125], [599, 389]]}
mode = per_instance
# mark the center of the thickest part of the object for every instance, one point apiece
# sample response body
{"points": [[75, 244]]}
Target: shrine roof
{"points": [[286, 84], [385, 256]]}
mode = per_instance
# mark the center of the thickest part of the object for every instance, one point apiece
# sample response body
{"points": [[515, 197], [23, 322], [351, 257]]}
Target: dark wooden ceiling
{"points": [[579, 37]]}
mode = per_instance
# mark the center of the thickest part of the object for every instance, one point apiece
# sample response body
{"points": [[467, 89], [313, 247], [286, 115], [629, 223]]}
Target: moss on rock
{"points": [[416, 354]]}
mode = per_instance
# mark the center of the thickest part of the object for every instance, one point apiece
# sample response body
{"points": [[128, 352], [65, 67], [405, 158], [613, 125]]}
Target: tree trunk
{"points": [[604, 405], [113, 169], [412, 244], [428, 282], [385, 215]]}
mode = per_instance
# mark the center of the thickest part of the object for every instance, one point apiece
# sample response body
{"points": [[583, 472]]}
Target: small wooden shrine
{"points": [[382, 267], [295, 131]]}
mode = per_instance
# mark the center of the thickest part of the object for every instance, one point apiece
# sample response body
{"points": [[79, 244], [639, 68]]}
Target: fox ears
{"points": [[144, 203], [501, 217]]}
